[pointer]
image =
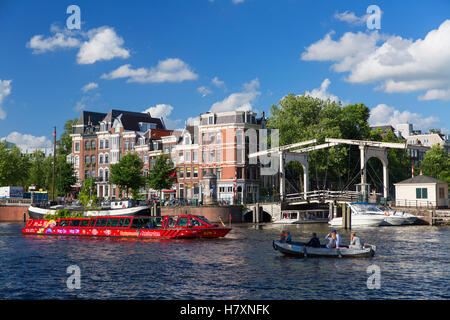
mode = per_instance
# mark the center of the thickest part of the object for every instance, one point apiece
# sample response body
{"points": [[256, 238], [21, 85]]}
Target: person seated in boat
{"points": [[331, 238], [355, 242], [314, 241], [288, 237], [283, 237], [338, 238]]}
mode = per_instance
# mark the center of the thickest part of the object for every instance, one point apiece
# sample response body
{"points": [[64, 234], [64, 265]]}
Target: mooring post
{"points": [[349, 217], [258, 218]]}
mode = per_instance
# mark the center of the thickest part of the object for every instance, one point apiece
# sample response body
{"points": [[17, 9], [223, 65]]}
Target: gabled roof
{"points": [[420, 179], [130, 120]]}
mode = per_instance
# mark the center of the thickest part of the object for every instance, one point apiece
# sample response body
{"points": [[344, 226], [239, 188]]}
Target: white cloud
{"points": [[169, 70], [86, 101], [28, 141], [351, 18], [397, 64], [59, 40], [95, 45], [204, 91], [218, 83], [103, 44], [239, 100], [436, 94], [322, 92], [193, 121], [5, 90], [89, 86], [163, 111], [383, 114]]}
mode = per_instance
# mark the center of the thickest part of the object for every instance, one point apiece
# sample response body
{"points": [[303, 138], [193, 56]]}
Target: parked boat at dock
{"points": [[167, 227], [369, 214], [116, 208], [300, 249], [303, 216]]}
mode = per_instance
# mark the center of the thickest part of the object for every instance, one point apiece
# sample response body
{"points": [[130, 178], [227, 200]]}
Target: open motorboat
{"points": [[117, 208], [166, 227], [300, 250]]}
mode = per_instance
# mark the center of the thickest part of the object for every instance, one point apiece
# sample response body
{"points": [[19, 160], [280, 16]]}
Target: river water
{"points": [[413, 260]]}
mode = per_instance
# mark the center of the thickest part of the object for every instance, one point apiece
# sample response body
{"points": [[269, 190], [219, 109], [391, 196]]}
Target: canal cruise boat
{"points": [[166, 227]]}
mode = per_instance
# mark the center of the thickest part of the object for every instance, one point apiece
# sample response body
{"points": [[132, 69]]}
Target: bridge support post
{"points": [[331, 211]]}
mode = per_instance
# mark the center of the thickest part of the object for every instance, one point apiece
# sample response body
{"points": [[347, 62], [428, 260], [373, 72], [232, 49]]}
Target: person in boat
{"points": [[338, 238], [314, 241], [283, 237], [355, 242], [331, 238], [288, 237]]}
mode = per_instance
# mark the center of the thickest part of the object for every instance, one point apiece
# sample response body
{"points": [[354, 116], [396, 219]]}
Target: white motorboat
{"points": [[303, 216], [118, 208], [359, 220], [300, 250], [406, 218]]}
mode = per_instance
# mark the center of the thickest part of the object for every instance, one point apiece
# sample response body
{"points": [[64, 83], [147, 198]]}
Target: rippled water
{"points": [[414, 263]]}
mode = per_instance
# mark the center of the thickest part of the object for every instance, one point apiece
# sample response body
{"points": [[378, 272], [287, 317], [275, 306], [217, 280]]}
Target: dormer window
{"points": [[187, 140], [144, 126], [211, 119]]}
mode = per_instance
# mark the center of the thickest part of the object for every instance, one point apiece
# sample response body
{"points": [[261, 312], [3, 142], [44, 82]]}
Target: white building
{"points": [[421, 191]]}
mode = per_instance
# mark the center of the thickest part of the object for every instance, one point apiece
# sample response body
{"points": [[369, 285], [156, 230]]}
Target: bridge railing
{"points": [[322, 195]]}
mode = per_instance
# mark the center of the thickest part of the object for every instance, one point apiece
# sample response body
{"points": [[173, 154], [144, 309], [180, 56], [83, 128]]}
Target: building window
{"points": [[211, 156], [211, 138], [441, 193], [167, 149], [100, 174], [145, 158], [152, 162], [77, 146], [106, 175], [126, 145], [181, 173], [106, 144], [132, 145], [86, 159], [421, 193], [86, 145], [195, 172], [86, 174], [211, 120], [100, 159], [181, 157], [239, 137], [93, 144], [239, 173], [203, 138], [181, 192], [219, 137], [188, 156], [101, 144], [219, 156], [77, 161], [187, 140], [219, 173], [93, 159], [106, 158], [204, 156], [188, 172], [195, 156]]}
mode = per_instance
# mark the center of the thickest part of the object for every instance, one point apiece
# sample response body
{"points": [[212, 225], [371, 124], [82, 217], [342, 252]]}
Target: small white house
{"points": [[421, 191]]}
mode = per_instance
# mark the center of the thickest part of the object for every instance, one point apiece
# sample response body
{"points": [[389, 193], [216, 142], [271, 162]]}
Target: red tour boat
{"points": [[168, 227]]}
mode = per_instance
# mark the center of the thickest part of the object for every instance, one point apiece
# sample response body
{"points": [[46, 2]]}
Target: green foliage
{"points": [[436, 163], [64, 213], [162, 175], [301, 118], [88, 194], [64, 144], [127, 173], [14, 167]]}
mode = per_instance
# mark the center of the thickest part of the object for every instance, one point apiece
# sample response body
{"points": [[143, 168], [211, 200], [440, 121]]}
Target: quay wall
{"points": [[14, 213], [423, 214], [212, 213]]}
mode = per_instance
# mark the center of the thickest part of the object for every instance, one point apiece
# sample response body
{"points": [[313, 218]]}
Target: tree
{"points": [[163, 174], [37, 170], [127, 173], [64, 143], [65, 175], [14, 167], [436, 163], [88, 193]]}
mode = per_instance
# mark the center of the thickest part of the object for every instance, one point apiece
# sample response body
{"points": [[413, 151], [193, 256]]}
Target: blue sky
{"points": [[182, 58]]}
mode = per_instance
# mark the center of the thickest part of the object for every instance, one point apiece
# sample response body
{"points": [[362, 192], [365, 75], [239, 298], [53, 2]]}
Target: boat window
{"points": [[113, 222], [156, 221], [74, 223], [172, 222], [65, 223], [84, 223], [294, 215], [204, 220], [140, 223], [92, 222], [101, 222], [194, 222], [182, 222], [124, 222]]}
